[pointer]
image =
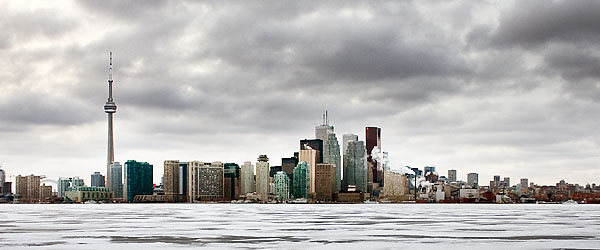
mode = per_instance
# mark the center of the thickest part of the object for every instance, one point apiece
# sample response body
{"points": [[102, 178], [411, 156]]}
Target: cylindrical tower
{"points": [[110, 108]]}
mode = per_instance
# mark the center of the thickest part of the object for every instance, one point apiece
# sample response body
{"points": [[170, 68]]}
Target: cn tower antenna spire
{"points": [[110, 108]]}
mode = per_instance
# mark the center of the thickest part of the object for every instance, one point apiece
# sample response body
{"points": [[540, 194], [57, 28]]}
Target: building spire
{"points": [[110, 68]]}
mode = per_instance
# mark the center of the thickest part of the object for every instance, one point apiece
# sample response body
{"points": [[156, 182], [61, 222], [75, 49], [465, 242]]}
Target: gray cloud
{"points": [[228, 81]]}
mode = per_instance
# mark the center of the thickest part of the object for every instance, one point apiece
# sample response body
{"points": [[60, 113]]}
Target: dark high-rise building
{"points": [[273, 170], [373, 140], [138, 179], [97, 180], [325, 186], [232, 181], [287, 166], [7, 187], [316, 144]]}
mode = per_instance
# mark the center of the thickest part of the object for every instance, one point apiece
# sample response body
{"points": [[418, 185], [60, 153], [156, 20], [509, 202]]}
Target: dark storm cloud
{"points": [[574, 64], [534, 23]]}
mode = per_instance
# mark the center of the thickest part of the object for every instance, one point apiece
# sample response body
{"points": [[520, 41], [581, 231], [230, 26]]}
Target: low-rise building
{"points": [[83, 194]]}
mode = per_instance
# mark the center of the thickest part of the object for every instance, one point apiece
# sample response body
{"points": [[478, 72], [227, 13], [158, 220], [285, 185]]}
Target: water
{"points": [[300, 226]]}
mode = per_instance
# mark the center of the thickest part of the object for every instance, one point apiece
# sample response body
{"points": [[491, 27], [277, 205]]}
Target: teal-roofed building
{"points": [[138, 179], [302, 180]]}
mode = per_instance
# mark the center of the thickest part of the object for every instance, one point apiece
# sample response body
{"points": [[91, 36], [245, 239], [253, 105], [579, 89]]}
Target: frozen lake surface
{"points": [[300, 226]]}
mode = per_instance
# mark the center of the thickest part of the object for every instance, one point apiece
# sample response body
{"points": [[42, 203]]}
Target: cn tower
{"points": [[110, 108]]}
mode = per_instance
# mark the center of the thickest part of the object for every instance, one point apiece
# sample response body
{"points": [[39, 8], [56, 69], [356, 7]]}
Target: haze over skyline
{"points": [[504, 88]]}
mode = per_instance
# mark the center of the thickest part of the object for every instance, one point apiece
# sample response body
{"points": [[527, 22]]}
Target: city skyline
{"points": [[477, 93]]}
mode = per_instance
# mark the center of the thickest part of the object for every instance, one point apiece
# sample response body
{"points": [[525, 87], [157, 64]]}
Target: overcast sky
{"points": [[495, 87]]}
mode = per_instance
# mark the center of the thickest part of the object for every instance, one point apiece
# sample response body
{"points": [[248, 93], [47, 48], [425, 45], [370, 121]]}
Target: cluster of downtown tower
{"points": [[321, 170]]}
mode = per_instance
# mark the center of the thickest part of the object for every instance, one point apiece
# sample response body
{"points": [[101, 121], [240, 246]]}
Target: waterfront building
{"points": [[315, 144], [247, 178], [310, 156], [138, 179], [206, 181], [325, 182], [496, 182], [110, 108], [116, 175], [451, 175], [373, 140], [45, 192], [232, 181], [28, 187], [262, 178], [302, 180], [82, 194], [473, 180], [282, 186], [396, 186], [183, 179], [332, 155], [2, 181], [171, 180], [355, 166], [97, 180]]}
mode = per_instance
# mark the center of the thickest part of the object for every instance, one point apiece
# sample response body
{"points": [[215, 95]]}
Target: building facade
{"points": [[116, 175], [232, 181], [171, 180], [332, 156], [97, 180], [310, 156], [451, 175], [262, 178], [27, 188], [138, 179], [473, 180], [206, 181], [373, 140], [325, 186], [282, 186], [83, 194], [302, 180], [247, 178], [396, 186], [355, 167]]}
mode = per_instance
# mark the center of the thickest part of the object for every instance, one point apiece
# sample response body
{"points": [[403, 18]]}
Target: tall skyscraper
{"points": [[345, 139], [332, 155], [183, 179], [232, 181], [451, 175], [247, 178], [496, 181], [138, 179], [116, 174], [355, 166], [287, 166], [110, 108], [302, 180], [310, 156], [282, 186], [262, 178], [171, 180], [473, 180], [97, 180], [373, 140]]}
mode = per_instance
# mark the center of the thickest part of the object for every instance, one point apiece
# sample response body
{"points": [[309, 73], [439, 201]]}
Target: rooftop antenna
{"points": [[110, 68], [326, 118]]}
